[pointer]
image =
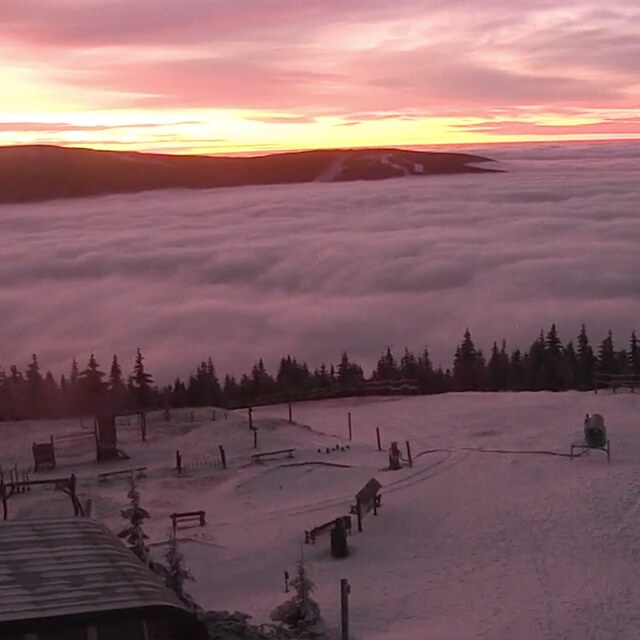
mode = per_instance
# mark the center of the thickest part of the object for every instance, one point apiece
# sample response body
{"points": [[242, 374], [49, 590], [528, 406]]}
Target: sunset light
{"points": [[259, 76]]}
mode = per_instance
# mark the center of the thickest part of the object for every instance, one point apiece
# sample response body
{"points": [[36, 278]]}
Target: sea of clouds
{"points": [[312, 270]]}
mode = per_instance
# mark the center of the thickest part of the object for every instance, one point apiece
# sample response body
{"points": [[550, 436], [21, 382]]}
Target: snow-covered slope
{"points": [[500, 544]]}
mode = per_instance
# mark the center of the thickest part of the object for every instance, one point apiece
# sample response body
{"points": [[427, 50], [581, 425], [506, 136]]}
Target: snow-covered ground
{"points": [[467, 544]]}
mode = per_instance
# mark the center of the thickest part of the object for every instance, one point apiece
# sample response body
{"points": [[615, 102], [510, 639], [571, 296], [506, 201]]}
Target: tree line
{"points": [[547, 364]]}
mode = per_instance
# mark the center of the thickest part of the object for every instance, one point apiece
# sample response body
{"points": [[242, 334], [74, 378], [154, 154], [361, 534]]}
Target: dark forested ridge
{"points": [[548, 364], [34, 173]]}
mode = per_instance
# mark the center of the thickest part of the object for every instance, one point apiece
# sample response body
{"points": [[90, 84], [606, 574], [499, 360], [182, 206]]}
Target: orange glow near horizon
{"points": [[266, 76]]}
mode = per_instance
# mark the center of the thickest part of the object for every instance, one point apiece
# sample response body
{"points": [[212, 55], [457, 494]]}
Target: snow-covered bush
{"points": [[301, 611]]}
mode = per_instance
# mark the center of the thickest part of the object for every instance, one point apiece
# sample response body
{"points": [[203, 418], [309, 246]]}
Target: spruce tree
{"points": [[136, 515], [585, 361], [35, 388], [634, 354], [552, 360], [141, 382], [468, 366], [176, 571], [302, 611], [92, 387], [607, 362], [117, 386]]}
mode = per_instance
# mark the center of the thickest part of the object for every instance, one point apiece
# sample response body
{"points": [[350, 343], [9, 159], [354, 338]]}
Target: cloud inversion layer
{"points": [[312, 270]]}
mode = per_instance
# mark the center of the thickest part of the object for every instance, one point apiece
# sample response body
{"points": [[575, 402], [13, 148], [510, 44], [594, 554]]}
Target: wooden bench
{"points": [[311, 535], [257, 457], [188, 515], [140, 472]]}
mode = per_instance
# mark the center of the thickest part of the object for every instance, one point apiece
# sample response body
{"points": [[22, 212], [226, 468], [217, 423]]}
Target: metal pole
{"points": [[409, 454], [345, 590], [255, 438], [349, 421], [250, 410], [290, 413], [359, 514], [378, 437]]}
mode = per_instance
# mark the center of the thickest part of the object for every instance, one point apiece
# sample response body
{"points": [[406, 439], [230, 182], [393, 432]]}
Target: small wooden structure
{"points": [[200, 462], [66, 485], [258, 457], [367, 499], [595, 437], [44, 455], [139, 472], [104, 435], [615, 381], [188, 516]]}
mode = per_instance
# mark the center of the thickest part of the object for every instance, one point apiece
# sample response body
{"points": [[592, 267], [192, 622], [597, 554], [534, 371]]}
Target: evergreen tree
{"points": [[409, 366], [387, 368], [517, 380], [117, 386], [468, 366], [141, 383], [536, 360], [426, 374], [349, 374], [35, 388], [607, 359], [177, 573], [92, 387], [569, 367], [136, 515], [586, 361], [552, 360], [634, 354], [498, 368], [302, 611]]}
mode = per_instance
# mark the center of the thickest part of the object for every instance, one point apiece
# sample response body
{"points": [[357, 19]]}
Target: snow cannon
{"points": [[595, 433]]}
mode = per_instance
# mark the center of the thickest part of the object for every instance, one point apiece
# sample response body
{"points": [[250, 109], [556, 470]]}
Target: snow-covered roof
{"points": [[68, 566]]}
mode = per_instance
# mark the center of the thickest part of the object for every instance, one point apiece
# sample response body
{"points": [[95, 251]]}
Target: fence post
{"points": [[378, 438], [345, 590], [178, 462], [250, 410], [255, 438], [359, 516], [349, 421], [290, 413], [223, 457], [409, 454]]}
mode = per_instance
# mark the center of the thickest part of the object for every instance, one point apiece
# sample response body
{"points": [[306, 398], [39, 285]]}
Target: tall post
{"points": [[359, 515], [72, 491], [178, 462], [223, 457], [345, 590], [409, 458], [290, 413], [250, 410], [143, 426], [3, 497], [255, 438], [378, 438], [349, 422]]}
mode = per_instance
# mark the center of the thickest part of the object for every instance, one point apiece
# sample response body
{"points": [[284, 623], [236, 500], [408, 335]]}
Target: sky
{"points": [[256, 76], [311, 270]]}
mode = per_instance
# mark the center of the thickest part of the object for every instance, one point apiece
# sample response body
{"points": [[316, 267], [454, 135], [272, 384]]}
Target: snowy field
{"points": [[467, 544]]}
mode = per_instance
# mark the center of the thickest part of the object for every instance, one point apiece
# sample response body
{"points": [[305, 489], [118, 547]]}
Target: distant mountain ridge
{"points": [[41, 172]]}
